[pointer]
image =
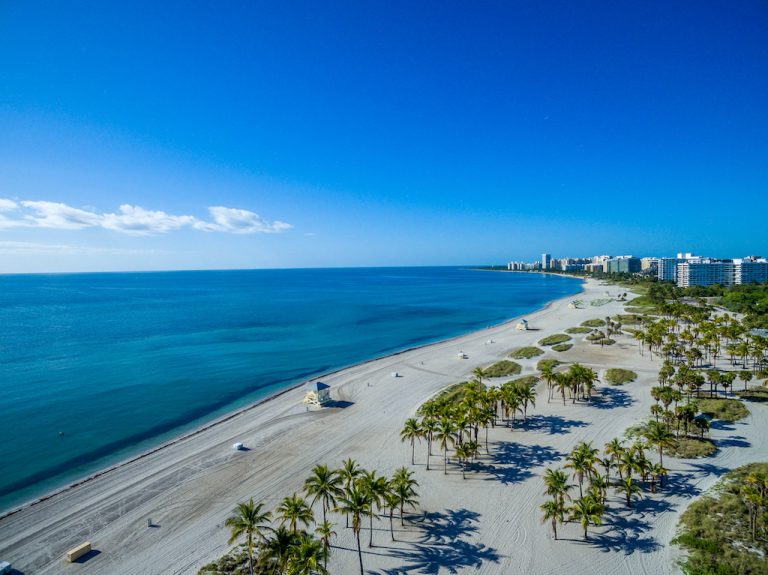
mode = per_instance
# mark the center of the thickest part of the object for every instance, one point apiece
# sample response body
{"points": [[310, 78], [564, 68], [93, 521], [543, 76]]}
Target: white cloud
{"points": [[137, 220], [8, 205], [9, 248], [59, 216], [131, 219], [241, 222]]}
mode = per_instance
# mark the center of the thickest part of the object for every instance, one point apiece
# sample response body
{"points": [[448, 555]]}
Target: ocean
{"points": [[95, 368]]}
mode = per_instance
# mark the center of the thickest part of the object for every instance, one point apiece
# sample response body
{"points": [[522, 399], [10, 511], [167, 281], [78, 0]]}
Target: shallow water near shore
{"points": [[97, 367]]}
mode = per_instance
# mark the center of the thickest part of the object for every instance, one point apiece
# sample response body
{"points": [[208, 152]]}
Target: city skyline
{"points": [[363, 135]]}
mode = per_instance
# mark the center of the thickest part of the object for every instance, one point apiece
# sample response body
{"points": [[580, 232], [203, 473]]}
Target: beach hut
{"points": [[522, 325], [318, 393]]}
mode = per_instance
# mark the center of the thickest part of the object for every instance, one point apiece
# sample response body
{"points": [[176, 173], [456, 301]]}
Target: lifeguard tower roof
{"points": [[317, 386]]}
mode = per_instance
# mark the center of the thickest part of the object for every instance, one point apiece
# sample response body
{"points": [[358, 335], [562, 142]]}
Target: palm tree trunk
{"points": [[445, 461], [370, 539], [391, 528], [250, 553], [360, 554], [413, 452]]}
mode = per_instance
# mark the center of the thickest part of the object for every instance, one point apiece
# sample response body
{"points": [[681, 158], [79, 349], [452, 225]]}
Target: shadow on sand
{"points": [[442, 547], [610, 398], [512, 462], [552, 424]]}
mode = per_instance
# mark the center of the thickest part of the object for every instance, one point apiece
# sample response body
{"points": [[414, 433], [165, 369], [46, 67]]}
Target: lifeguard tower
{"points": [[318, 394], [522, 325]]}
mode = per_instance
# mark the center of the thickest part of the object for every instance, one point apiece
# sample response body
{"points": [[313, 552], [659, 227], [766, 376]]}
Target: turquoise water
{"points": [[120, 362]]}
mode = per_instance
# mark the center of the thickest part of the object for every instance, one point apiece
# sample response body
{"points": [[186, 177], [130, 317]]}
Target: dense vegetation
{"points": [[526, 353], [580, 329], [727, 532], [547, 363], [554, 339], [723, 409], [562, 346], [618, 376], [593, 323], [503, 368]]}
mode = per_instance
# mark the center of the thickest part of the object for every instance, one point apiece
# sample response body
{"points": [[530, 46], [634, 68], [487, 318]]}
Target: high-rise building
{"points": [[705, 272], [624, 264], [668, 266], [546, 261]]}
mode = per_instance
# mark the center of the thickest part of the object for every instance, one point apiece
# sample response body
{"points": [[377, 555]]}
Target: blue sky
{"points": [[244, 134]]}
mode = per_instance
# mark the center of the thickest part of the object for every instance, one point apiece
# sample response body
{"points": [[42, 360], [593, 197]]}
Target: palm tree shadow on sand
{"points": [[552, 424], [512, 462], [611, 398], [442, 547]]}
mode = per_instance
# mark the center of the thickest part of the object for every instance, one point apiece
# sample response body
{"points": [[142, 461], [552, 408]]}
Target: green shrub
{"points": [[562, 346], [692, 448], [553, 339], [578, 330], [618, 376], [526, 353], [757, 394], [503, 368], [593, 323], [723, 409], [526, 380], [547, 363], [717, 531]]}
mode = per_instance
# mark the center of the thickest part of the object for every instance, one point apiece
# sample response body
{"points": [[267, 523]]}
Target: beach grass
{"points": [[619, 376], [593, 323], [550, 363], [526, 352], [757, 394], [692, 448], [554, 339], [562, 346], [723, 409], [716, 530], [580, 329], [503, 368]]}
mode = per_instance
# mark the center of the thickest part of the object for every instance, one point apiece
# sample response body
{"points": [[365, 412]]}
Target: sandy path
{"points": [[488, 523]]}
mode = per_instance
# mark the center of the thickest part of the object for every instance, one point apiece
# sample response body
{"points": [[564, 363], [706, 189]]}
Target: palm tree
{"points": [[356, 504], [554, 511], [411, 432], [279, 547], [582, 461], [557, 485], [587, 511], [323, 484], [404, 485], [527, 394], [746, 377], [325, 532], [479, 374], [630, 489], [294, 510], [248, 520], [428, 428], [349, 473], [308, 557], [376, 489], [659, 436], [444, 437]]}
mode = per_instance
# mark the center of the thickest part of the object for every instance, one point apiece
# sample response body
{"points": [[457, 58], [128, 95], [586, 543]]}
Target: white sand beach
{"points": [[488, 523]]}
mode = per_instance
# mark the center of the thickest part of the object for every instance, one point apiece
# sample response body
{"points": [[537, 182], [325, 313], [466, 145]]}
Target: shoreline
{"points": [[231, 415]]}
